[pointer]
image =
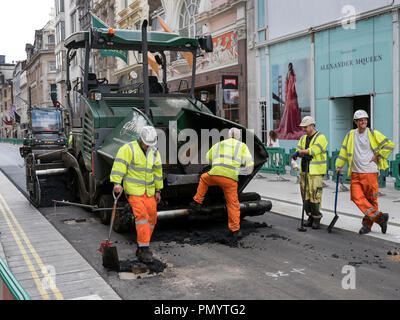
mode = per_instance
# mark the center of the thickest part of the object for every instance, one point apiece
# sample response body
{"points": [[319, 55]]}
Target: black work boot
{"points": [[144, 255], [384, 223], [364, 230], [315, 214], [195, 206], [236, 234], [315, 223], [309, 222]]}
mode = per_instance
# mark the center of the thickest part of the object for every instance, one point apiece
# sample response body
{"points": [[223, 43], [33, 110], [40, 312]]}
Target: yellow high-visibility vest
{"points": [[227, 157], [141, 173], [379, 144], [317, 147]]}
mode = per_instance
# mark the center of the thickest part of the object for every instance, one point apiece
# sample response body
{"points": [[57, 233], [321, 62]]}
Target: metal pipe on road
{"points": [[51, 172]]}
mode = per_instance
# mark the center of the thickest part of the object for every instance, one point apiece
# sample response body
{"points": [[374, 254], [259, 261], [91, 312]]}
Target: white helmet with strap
{"points": [[149, 136], [359, 114]]}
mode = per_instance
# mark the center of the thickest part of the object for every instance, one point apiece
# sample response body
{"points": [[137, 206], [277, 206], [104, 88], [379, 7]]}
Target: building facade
{"points": [[340, 57], [222, 74], [224, 20], [6, 99], [41, 70], [20, 98]]}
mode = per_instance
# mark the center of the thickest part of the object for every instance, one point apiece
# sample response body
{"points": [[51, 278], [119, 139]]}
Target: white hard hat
{"points": [[307, 121], [359, 114], [149, 136], [235, 133]]}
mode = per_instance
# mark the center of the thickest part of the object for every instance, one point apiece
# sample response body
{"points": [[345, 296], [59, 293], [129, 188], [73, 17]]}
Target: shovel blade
{"points": [[110, 258], [330, 227]]}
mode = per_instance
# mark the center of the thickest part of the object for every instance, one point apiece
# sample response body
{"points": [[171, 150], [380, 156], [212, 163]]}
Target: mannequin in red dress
{"points": [[289, 128]]}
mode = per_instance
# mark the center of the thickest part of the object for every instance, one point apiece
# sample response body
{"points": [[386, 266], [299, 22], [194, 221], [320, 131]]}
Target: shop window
{"points": [[231, 105]]}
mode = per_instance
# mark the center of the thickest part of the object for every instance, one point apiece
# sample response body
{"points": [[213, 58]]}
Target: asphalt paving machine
{"points": [[44, 143], [104, 116]]}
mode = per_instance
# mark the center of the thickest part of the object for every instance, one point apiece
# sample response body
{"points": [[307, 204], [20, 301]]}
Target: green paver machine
{"points": [[105, 116], [42, 148]]}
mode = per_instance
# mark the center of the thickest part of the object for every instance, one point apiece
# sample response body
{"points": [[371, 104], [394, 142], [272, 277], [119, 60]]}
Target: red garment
{"points": [[289, 128]]}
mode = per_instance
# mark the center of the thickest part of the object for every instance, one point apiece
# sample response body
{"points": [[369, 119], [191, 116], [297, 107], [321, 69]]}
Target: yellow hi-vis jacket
{"points": [[317, 147], [379, 144], [140, 173], [227, 157]]}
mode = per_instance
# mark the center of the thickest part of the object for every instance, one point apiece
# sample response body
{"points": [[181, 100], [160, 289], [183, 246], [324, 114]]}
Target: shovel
{"points": [[109, 253], [302, 229], [336, 216]]}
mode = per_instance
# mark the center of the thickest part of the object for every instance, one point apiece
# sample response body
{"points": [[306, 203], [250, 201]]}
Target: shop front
{"points": [[221, 80], [354, 70], [330, 74]]}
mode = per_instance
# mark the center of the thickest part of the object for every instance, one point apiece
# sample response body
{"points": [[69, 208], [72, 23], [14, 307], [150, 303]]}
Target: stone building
{"points": [[6, 74], [41, 69]]}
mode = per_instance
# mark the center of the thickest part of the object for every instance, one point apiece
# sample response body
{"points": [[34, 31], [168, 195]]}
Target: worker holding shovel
{"points": [[312, 149], [138, 164], [366, 152]]}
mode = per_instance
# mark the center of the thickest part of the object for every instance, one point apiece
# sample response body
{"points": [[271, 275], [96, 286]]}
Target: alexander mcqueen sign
{"points": [[351, 63]]}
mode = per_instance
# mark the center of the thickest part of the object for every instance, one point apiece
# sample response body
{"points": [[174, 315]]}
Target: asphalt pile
{"points": [[208, 236], [138, 267]]}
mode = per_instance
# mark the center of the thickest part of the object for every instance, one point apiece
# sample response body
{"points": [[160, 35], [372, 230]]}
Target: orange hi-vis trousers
{"points": [[229, 187], [364, 190], [145, 212]]}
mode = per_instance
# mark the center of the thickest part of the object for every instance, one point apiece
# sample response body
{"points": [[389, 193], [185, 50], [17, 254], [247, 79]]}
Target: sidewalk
{"points": [[286, 200], [42, 260]]}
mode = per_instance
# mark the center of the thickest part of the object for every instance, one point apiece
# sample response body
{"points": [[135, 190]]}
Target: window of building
{"points": [[261, 25], [60, 30], [187, 22], [155, 24], [52, 66], [125, 4], [51, 39], [59, 6], [73, 22], [59, 61]]}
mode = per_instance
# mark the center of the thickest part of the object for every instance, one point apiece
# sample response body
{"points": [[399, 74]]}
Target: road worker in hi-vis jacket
{"points": [[138, 164], [312, 149], [228, 159], [366, 151]]}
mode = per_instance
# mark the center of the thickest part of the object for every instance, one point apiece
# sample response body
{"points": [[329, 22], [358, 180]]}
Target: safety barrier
{"points": [[10, 288], [395, 171], [276, 162], [12, 141]]}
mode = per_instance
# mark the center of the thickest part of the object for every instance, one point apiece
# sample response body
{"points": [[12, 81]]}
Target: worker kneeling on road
{"points": [[312, 150], [366, 152], [139, 165], [227, 157]]}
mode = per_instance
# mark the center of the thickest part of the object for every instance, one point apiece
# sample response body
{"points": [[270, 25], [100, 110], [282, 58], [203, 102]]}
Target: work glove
{"points": [[295, 155], [308, 157]]}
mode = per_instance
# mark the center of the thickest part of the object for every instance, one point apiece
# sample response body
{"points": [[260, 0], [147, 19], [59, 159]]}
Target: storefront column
{"points": [[396, 81], [268, 96], [312, 66]]}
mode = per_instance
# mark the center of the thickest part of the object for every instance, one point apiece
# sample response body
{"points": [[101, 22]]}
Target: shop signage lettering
{"points": [[351, 63]]}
